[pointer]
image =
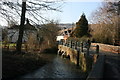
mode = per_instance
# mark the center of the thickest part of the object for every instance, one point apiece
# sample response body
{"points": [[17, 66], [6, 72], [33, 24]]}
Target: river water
{"points": [[57, 68]]}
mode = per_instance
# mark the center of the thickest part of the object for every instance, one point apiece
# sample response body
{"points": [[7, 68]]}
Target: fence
{"points": [[83, 49], [73, 48]]}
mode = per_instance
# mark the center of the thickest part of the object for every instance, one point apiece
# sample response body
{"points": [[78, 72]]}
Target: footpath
{"points": [[112, 66]]}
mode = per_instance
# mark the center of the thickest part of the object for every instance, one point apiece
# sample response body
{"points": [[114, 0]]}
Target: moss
{"points": [[89, 61], [85, 62]]}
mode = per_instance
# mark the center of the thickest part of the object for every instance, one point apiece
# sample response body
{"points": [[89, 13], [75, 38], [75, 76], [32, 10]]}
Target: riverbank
{"points": [[15, 65]]}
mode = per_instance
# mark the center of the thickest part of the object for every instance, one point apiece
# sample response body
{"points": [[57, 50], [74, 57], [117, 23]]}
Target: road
{"points": [[112, 66]]}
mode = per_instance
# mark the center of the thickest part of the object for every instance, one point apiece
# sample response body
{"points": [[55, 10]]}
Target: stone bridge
{"points": [[74, 50], [83, 55], [68, 52]]}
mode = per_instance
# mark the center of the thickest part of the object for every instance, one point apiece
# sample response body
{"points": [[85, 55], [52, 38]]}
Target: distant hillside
{"points": [[67, 25]]}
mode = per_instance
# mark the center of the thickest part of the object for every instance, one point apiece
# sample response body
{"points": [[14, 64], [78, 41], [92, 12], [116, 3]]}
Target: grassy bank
{"points": [[15, 65]]}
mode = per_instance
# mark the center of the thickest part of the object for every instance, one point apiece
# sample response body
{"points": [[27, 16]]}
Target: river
{"points": [[57, 68]]}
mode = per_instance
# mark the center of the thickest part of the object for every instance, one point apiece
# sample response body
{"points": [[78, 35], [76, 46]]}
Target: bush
{"points": [[15, 65]]}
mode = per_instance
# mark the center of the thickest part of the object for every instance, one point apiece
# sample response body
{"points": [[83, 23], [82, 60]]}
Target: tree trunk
{"points": [[21, 27]]}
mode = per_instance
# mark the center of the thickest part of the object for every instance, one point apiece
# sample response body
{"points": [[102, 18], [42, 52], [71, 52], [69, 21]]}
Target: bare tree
{"points": [[49, 32], [33, 8], [107, 19], [21, 27]]}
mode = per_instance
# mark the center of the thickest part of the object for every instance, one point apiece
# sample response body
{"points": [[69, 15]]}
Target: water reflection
{"points": [[57, 68]]}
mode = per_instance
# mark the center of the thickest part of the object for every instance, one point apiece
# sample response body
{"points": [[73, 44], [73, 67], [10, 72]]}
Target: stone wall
{"points": [[98, 69], [69, 51], [106, 47], [81, 59]]}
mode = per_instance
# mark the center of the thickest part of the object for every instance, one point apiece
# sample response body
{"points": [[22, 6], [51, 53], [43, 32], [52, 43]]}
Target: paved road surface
{"points": [[112, 66]]}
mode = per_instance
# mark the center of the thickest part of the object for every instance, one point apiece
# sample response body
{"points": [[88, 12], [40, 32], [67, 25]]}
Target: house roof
{"points": [[27, 26], [68, 29]]}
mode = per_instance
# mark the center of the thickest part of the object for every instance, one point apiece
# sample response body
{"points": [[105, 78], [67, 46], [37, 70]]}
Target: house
{"points": [[59, 38], [13, 32], [65, 33]]}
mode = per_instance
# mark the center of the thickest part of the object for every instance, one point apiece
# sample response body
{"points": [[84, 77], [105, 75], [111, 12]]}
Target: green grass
{"points": [[15, 65], [10, 44]]}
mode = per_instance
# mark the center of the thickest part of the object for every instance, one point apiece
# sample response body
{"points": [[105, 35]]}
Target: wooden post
{"points": [[71, 44], [76, 45], [82, 47], [60, 43], [88, 49], [64, 43], [78, 51], [67, 43], [97, 49]]}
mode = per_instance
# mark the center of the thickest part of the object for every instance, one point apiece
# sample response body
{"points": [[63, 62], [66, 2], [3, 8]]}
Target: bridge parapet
{"points": [[98, 69], [78, 52], [108, 48]]}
